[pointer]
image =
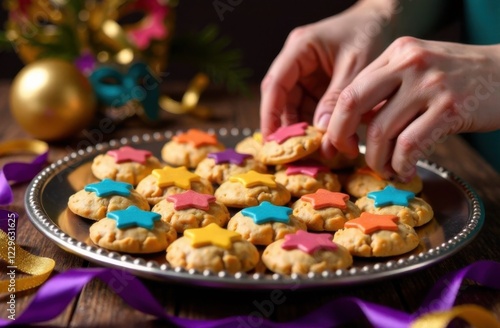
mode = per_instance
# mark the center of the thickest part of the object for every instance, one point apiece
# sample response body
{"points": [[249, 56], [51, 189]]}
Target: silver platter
{"points": [[459, 216]]}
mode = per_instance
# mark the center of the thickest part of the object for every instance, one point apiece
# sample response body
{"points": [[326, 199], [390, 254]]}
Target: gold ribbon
{"points": [[475, 315], [23, 146], [17, 258]]}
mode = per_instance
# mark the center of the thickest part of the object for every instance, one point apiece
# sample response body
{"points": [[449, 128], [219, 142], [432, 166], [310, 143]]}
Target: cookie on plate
{"points": [[212, 248], [305, 177], [304, 252], [413, 211], [126, 164], [97, 199], [250, 189], [191, 209], [325, 210], [365, 180], [290, 143], [190, 148], [219, 166], [250, 145], [132, 231], [169, 181], [263, 224], [373, 235]]}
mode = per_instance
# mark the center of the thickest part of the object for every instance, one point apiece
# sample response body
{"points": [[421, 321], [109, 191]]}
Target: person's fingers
{"points": [[296, 60], [355, 100]]}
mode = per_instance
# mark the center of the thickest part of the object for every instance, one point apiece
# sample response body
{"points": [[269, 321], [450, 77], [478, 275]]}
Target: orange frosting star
{"points": [[252, 178], [175, 176], [369, 223], [196, 137], [325, 198], [212, 234], [369, 171]]}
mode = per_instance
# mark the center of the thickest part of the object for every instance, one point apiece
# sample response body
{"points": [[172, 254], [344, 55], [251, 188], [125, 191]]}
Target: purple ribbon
{"points": [[61, 289], [18, 172]]}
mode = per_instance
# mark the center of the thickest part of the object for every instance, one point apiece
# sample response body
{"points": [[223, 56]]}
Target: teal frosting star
{"points": [[391, 196], [266, 212], [134, 217], [108, 187]]}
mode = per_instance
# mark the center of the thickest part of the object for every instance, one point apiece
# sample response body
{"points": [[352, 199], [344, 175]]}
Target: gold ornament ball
{"points": [[51, 99]]}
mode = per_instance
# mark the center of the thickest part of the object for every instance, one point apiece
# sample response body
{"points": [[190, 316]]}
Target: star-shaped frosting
{"points": [[229, 156], [134, 217], [196, 137], [323, 198], [309, 168], [308, 242], [369, 223], [368, 171], [391, 196], [266, 212], [191, 199], [175, 176], [108, 187], [212, 234], [286, 132], [252, 178], [129, 154]]}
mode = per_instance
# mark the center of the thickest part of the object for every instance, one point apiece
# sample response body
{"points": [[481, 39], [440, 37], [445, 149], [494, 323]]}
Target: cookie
{"points": [[97, 199], [325, 210], [290, 143], [337, 162], [413, 211], [126, 164], [251, 189], [219, 166], [212, 248], [191, 210], [250, 145], [305, 177], [373, 235], [169, 181], [263, 224], [132, 231], [365, 180], [190, 148], [304, 252]]}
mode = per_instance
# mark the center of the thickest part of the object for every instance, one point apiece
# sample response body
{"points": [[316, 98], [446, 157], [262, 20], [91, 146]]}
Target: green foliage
{"points": [[210, 52], [4, 42]]}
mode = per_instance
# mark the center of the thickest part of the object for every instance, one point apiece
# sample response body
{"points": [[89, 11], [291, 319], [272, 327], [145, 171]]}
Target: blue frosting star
{"points": [[134, 217], [267, 212], [391, 196], [108, 187]]}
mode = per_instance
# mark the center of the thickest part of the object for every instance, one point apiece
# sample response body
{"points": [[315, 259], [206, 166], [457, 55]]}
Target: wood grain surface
{"points": [[96, 305]]}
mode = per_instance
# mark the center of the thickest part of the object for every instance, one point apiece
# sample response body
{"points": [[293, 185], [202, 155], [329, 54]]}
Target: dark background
{"points": [[257, 27]]}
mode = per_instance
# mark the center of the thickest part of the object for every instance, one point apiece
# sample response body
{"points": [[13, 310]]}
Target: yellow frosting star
{"points": [[253, 178], [212, 234], [175, 176]]}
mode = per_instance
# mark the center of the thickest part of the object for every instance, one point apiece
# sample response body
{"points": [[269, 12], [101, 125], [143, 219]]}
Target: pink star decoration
{"points": [[308, 242], [191, 199], [286, 132], [309, 168], [129, 154]]}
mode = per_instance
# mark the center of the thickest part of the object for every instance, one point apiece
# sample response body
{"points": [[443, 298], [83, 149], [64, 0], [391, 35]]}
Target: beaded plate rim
{"points": [[164, 272]]}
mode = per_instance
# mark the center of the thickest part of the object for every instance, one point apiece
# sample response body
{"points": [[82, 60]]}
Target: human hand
{"points": [[319, 60], [416, 92]]}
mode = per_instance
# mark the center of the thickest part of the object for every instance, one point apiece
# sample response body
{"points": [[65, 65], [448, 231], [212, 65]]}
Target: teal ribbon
{"points": [[114, 88]]}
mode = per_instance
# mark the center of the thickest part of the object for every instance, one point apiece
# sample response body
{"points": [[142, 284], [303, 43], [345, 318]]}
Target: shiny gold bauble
{"points": [[51, 99]]}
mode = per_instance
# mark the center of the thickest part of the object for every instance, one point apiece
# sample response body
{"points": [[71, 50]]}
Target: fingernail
{"points": [[323, 122]]}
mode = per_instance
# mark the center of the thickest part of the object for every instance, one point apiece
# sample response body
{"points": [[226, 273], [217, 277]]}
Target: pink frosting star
{"points": [[286, 132], [129, 154], [191, 199], [308, 168], [308, 242]]}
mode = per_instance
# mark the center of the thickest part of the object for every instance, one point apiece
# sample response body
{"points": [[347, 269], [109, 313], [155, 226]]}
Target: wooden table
{"points": [[97, 305]]}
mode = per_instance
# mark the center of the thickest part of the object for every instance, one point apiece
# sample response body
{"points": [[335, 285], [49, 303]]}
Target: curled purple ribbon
{"points": [[61, 289]]}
